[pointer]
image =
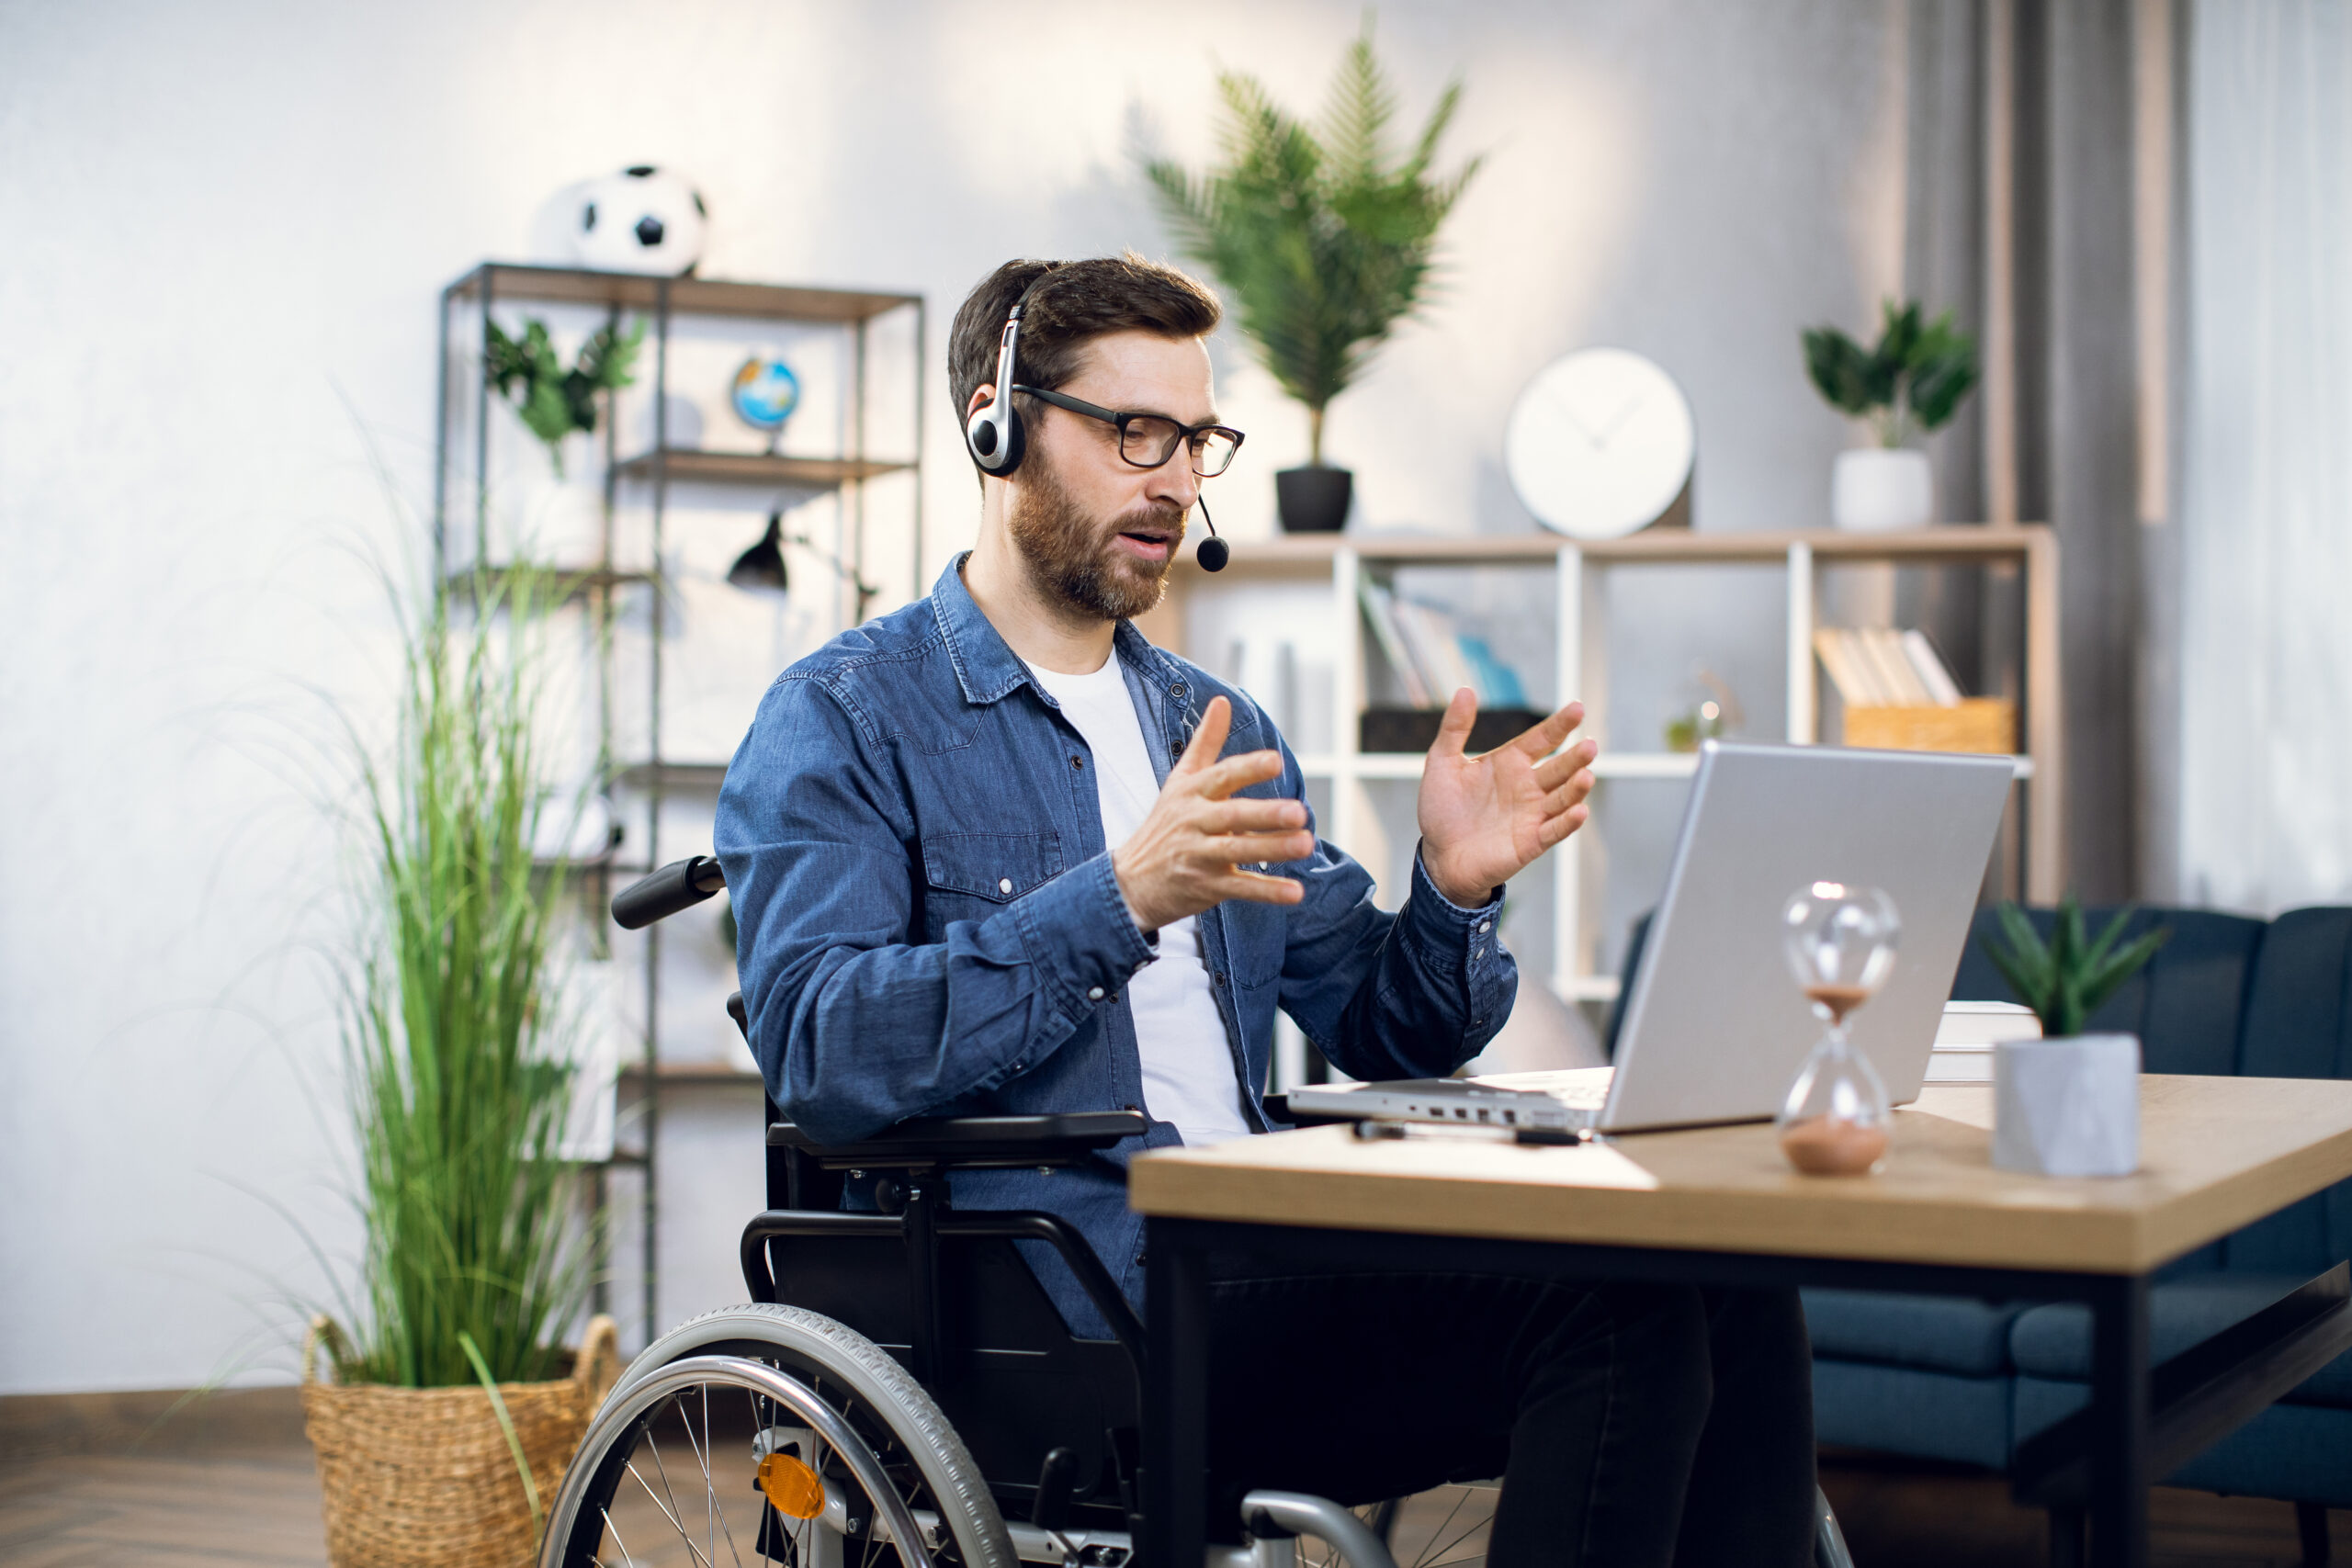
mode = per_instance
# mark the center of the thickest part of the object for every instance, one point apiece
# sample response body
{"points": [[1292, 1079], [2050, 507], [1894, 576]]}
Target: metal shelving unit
{"points": [[634, 489], [1338, 563]]}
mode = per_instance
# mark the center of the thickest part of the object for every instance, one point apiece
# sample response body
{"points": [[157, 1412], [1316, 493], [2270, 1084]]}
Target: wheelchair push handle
{"points": [[681, 885]]}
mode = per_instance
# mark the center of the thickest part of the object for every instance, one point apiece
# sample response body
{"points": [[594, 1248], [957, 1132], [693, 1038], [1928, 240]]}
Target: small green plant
{"points": [[1325, 239], [2065, 979], [459, 1071], [551, 400], [1916, 376]]}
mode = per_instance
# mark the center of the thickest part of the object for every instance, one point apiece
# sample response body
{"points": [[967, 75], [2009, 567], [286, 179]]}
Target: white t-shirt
{"points": [[1188, 1076]]}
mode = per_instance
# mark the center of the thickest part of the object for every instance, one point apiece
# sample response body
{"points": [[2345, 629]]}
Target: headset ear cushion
{"points": [[995, 446], [1016, 442]]}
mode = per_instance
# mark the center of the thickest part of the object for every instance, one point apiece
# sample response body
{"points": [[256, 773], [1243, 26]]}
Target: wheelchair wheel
{"points": [[772, 1435], [1442, 1529]]}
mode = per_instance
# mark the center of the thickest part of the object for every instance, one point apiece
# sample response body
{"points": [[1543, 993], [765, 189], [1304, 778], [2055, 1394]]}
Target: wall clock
{"points": [[1600, 443]]}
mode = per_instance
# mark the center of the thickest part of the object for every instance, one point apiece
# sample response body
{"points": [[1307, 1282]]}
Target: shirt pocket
{"points": [[1255, 937], [971, 876]]}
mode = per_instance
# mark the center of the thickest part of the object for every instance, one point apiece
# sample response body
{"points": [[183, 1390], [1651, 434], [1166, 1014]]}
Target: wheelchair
{"points": [[900, 1393]]}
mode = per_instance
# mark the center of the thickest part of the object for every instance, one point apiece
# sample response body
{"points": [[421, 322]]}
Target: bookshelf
{"points": [[666, 481], [1199, 607]]}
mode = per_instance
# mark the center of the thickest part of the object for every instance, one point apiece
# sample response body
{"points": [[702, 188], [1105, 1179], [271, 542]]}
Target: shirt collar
{"points": [[986, 665]]}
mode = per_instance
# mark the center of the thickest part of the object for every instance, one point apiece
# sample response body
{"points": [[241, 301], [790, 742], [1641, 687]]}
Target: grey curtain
{"points": [[2020, 217]]}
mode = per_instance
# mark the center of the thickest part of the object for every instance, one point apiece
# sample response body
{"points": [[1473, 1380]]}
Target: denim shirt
{"points": [[929, 925]]}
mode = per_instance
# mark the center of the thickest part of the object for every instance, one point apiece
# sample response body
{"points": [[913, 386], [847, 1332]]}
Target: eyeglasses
{"points": [[1149, 440]]}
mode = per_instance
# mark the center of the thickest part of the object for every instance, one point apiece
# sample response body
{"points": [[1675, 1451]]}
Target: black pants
{"points": [[1633, 1424]]}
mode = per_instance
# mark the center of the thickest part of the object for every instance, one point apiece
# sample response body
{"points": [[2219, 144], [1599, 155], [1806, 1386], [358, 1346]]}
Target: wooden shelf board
{"points": [[688, 296], [1292, 552], [755, 468]]}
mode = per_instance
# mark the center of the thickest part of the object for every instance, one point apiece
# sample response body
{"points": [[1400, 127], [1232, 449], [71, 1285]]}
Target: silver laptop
{"points": [[1715, 1026]]}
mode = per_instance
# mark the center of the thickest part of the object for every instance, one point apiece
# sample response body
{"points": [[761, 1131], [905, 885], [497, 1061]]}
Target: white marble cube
{"points": [[2067, 1107]]}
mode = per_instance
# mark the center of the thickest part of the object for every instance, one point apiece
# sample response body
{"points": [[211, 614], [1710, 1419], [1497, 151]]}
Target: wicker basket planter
{"points": [[423, 1477]]}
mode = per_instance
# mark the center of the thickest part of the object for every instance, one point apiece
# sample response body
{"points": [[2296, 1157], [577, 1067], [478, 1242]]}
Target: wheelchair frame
{"points": [[945, 1292]]}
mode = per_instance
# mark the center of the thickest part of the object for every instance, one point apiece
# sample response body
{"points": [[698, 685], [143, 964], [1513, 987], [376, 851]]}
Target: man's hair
{"points": [[1080, 301]]}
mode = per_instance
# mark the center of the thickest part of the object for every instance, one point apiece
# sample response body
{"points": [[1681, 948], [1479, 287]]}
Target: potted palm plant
{"points": [[2068, 1104], [454, 1405], [1324, 237], [1913, 378]]}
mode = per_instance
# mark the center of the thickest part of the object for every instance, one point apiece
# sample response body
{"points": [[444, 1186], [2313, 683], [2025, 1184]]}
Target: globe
{"points": [[767, 392]]}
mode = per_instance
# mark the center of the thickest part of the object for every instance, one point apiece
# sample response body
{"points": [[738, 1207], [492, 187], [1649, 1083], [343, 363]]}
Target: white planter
{"points": [[2067, 1107], [1877, 489]]}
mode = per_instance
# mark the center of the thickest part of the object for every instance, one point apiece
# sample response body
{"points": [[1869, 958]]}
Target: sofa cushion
{"points": [[2299, 1025], [1952, 1334], [2055, 1342], [1905, 1410]]}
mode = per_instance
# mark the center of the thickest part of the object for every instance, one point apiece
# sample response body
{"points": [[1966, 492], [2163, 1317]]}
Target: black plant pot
{"points": [[1313, 501]]}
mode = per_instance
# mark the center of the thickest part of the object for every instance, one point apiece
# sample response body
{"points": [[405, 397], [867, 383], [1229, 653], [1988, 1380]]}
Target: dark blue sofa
{"points": [[1966, 1380]]}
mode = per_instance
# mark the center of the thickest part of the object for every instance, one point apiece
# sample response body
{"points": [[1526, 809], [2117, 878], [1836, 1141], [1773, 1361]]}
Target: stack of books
{"points": [[1433, 659], [1432, 656], [1899, 693], [1964, 1040], [1878, 667]]}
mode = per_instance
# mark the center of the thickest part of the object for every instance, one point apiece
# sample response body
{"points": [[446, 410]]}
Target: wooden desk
{"points": [[1720, 1206]]}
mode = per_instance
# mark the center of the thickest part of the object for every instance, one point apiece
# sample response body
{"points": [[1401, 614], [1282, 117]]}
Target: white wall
{"points": [[224, 228]]}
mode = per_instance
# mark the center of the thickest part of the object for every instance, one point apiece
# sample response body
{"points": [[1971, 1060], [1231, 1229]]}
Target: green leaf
{"points": [[1324, 240], [1942, 371], [505, 1424], [1839, 370]]}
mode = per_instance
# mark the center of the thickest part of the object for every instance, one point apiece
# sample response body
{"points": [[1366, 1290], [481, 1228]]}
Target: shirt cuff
{"points": [[1080, 937], [1422, 883]]}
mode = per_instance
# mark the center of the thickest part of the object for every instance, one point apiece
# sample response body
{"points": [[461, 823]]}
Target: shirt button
{"points": [[1177, 690], [1093, 993], [1482, 925], [1077, 761]]}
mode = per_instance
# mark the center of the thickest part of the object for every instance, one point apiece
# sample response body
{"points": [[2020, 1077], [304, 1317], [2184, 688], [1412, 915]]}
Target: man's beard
{"points": [[1079, 559]]}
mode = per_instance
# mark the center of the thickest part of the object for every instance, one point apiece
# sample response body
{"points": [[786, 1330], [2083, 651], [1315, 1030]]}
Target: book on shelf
{"points": [[1432, 656], [1878, 667]]}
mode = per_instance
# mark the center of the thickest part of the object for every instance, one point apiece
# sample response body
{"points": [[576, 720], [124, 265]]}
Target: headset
{"points": [[997, 440]]}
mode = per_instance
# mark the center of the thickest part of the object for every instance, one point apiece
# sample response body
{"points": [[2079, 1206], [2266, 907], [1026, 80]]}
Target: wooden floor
{"points": [[257, 1507]]}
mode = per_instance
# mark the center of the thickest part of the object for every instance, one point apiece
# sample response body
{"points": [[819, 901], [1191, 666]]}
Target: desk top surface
{"points": [[2216, 1154]]}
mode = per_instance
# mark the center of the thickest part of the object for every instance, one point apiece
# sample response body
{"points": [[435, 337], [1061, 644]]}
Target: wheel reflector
{"points": [[792, 1486]]}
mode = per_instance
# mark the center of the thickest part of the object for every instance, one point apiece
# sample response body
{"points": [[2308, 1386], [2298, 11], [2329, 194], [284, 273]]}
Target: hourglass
{"points": [[1840, 941]]}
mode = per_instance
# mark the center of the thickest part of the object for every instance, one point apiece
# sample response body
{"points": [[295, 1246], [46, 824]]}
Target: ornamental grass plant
{"points": [[460, 1053]]}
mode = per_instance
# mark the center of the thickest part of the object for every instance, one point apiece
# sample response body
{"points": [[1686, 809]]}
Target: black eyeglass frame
{"points": [[1184, 433]]}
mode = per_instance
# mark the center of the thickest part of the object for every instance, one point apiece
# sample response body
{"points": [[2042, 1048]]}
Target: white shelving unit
{"points": [[1580, 670]]}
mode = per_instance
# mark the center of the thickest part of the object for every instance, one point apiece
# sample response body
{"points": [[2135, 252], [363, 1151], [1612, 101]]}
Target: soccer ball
{"points": [[641, 220]]}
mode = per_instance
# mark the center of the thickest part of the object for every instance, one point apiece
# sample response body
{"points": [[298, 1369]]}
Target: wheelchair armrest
{"points": [[983, 1142]]}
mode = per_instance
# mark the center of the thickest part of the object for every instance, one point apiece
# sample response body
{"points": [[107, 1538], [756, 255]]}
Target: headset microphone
{"points": [[1212, 552]]}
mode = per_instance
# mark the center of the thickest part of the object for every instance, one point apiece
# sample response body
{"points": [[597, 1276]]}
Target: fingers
{"points": [[1257, 889], [1252, 815], [1453, 729], [1208, 738], [1543, 740], [1220, 779], [1557, 767], [1254, 849], [1556, 829]]}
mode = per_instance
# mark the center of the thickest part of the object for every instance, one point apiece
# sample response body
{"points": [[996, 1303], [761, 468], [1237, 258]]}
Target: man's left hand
{"points": [[1485, 818]]}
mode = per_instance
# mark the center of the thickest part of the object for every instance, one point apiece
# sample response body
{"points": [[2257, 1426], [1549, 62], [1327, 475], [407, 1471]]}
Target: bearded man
{"points": [[994, 853]]}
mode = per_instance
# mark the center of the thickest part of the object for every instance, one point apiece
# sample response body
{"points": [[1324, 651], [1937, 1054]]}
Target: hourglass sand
{"points": [[1840, 942]]}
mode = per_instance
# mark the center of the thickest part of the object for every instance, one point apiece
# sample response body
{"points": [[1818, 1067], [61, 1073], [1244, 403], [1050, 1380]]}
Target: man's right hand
{"points": [[1186, 857]]}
